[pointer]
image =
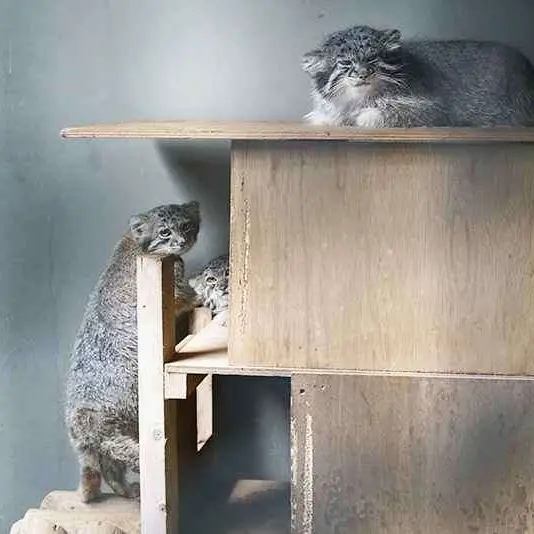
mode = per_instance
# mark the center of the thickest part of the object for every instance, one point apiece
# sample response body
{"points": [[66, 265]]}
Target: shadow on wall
{"points": [[204, 170], [252, 415]]}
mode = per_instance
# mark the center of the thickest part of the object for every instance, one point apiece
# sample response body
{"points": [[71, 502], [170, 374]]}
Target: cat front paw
{"points": [[370, 118], [319, 118]]}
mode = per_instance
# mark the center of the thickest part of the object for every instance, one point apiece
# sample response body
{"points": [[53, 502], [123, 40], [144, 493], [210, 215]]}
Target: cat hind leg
{"points": [[90, 476], [81, 429], [114, 474], [122, 449]]}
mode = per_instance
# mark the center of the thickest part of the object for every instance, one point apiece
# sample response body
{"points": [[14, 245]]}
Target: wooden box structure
{"points": [[376, 268], [383, 256]]}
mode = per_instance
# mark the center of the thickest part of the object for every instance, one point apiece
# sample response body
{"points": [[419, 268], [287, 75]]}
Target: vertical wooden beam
{"points": [[200, 318], [157, 417], [204, 395]]}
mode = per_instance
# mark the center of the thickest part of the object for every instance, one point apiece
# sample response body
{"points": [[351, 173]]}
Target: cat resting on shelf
{"points": [[372, 78], [102, 398], [211, 284]]}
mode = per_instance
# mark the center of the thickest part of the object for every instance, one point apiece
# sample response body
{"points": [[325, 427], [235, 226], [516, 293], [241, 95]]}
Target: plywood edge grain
{"points": [[218, 363], [292, 131]]}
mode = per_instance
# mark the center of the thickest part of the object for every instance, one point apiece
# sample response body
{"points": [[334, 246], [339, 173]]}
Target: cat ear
{"points": [[314, 62], [192, 209], [391, 39], [141, 228]]}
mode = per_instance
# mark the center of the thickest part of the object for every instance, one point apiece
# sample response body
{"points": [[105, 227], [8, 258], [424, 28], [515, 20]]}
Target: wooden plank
{"points": [[206, 353], [80, 522], [70, 501], [399, 456], [211, 335], [220, 365], [204, 393], [411, 258], [176, 386], [292, 131], [252, 507], [200, 319], [157, 417]]}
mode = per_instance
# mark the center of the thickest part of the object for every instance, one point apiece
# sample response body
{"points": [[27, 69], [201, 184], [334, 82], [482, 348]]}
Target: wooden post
{"points": [[204, 391], [157, 416]]}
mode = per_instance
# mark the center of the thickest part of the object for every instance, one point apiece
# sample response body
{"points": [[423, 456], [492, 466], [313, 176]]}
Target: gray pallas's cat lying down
{"points": [[102, 399], [371, 78]]}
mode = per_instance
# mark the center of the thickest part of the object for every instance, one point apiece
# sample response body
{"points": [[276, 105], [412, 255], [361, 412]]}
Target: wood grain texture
{"points": [[157, 417], [209, 335], [200, 319], [291, 131], [207, 353], [411, 456], [252, 507], [409, 258]]}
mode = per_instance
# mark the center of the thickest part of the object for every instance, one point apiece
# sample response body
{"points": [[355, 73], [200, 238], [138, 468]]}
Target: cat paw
{"points": [[89, 489], [88, 496], [370, 118], [318, 118]]}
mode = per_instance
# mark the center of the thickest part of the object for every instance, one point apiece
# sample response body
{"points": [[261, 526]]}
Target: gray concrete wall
{"points": [[64, 204]]}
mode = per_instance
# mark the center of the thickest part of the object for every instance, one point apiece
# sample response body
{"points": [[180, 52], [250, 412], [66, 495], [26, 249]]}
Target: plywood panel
{"points": [[383, 257], [291, 131], [412, 456]]}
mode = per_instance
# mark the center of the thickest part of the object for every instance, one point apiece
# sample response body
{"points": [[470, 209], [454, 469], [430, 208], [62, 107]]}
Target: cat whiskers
{"points": [[398, 81]]}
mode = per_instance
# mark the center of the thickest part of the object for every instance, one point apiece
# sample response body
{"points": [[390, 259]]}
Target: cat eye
{"points": [[165, 232], [211, 279], [187, 227]]}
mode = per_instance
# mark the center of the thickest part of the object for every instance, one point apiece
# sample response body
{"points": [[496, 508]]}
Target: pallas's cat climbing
{"points": [[102, 397]]}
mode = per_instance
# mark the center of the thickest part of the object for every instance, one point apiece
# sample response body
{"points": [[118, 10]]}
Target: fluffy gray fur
{"points": [[372, 78], [211, 284], [102, 398]]}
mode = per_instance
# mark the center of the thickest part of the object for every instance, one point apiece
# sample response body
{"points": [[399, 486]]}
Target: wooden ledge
{"points": [[207, 353], [294, 131]]}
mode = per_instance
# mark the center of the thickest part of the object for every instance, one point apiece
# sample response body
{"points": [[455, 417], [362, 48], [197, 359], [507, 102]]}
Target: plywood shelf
{"points": [[62, 511], [207, 353], [290, 131]]}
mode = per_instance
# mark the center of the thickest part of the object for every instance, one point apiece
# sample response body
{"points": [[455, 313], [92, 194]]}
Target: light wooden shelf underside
{"points": [[288, 131], [207, 353]]}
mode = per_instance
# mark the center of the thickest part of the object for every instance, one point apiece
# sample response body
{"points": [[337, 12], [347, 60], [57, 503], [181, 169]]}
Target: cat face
{"points": [[211, 284], [169, 230], [353, 62]]}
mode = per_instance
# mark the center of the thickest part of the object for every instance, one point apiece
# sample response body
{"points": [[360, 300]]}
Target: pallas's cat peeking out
{"points": [[102, 396], [372, 78], [211, 284]]}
